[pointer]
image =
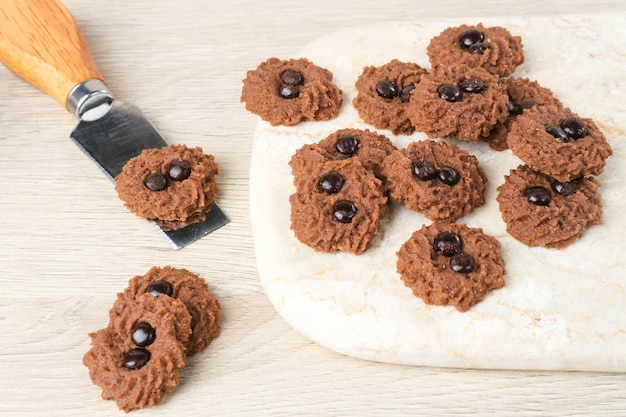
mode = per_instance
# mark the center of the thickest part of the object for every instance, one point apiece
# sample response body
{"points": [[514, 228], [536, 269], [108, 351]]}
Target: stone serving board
{"points": [[559, 310]]}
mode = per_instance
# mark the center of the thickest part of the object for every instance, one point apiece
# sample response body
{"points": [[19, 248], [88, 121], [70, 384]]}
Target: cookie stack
{"points": [[159, 319], [340, 197]]}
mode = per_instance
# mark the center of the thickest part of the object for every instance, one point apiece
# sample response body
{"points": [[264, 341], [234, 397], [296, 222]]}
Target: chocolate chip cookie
{"points": [[175, 186], [439, 180], [451, 264], [384, 93], [338, 206], [136, 359], [192, 291], [458, 101], [559, 143], [370, 148], [286, 92], [491, 48], [523, 94], [541, 211]]}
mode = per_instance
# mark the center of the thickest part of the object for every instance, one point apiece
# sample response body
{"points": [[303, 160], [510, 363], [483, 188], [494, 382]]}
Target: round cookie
{"points": [[174, 185], [491, 48], [457, 101], [540, 211], [559, 143], [137, 357], [523, 94], [437, 179], [384, 93], [338, 206], [451, 264], [192, 291], [286, 92], [370, 148]]}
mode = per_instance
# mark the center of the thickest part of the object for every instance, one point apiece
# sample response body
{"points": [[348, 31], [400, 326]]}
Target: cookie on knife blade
{"points": [[174, 186]]}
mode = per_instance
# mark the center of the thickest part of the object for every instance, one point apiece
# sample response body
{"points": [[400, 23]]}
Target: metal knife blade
{"points": [[121, 134], [41, 42]]}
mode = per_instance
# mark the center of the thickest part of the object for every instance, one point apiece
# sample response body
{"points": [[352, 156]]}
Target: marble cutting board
{"points": [[559, 310]]}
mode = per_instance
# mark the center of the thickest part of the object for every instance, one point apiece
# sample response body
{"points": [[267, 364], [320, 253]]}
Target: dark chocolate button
{"points": [[471, 37], [517, 109], [291, 77], [289, 91], [423, 170], [156, 182], [538, 195], [448, 243], [558, 133], [405, 94], [159, 287], [448, 175], [566, 188], [574, 127], [478, 48], [347, 145], [449, 92], [179, 170], [143, 334], [473, 85], [344, 211], [330, 183], [462, 263], [386, 89], [136, 358]]}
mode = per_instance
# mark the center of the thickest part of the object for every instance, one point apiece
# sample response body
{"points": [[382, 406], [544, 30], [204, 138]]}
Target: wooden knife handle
{"points": [[41, 43]]}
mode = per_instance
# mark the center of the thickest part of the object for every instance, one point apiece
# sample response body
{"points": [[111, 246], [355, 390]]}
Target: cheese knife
{"points": [[41, 42]]}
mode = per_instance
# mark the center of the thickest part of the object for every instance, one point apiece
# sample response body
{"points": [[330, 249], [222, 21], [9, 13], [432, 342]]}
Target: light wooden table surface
{"points": [[67, 245]]}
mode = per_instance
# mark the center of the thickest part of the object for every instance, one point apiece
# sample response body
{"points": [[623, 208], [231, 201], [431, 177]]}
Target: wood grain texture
{"points": [[40, 42], [68, 245]]}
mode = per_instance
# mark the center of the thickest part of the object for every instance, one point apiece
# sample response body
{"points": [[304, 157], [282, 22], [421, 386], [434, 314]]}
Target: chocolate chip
{"points": [[143, 334], [473, 85], [330, 183], [478, 48], [179, 170], [344, 211], [347, 145], [517, 109], [289, 91], [291, 77], [538, 195], [462, 263], [405, 94], [471, 37], [449, 92], [386, 89], [558, 133], [156, 182], [566, 188], [448, 175], [448, 243], [574, 127], [423, 170], [136, 358], [159, 287]]}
